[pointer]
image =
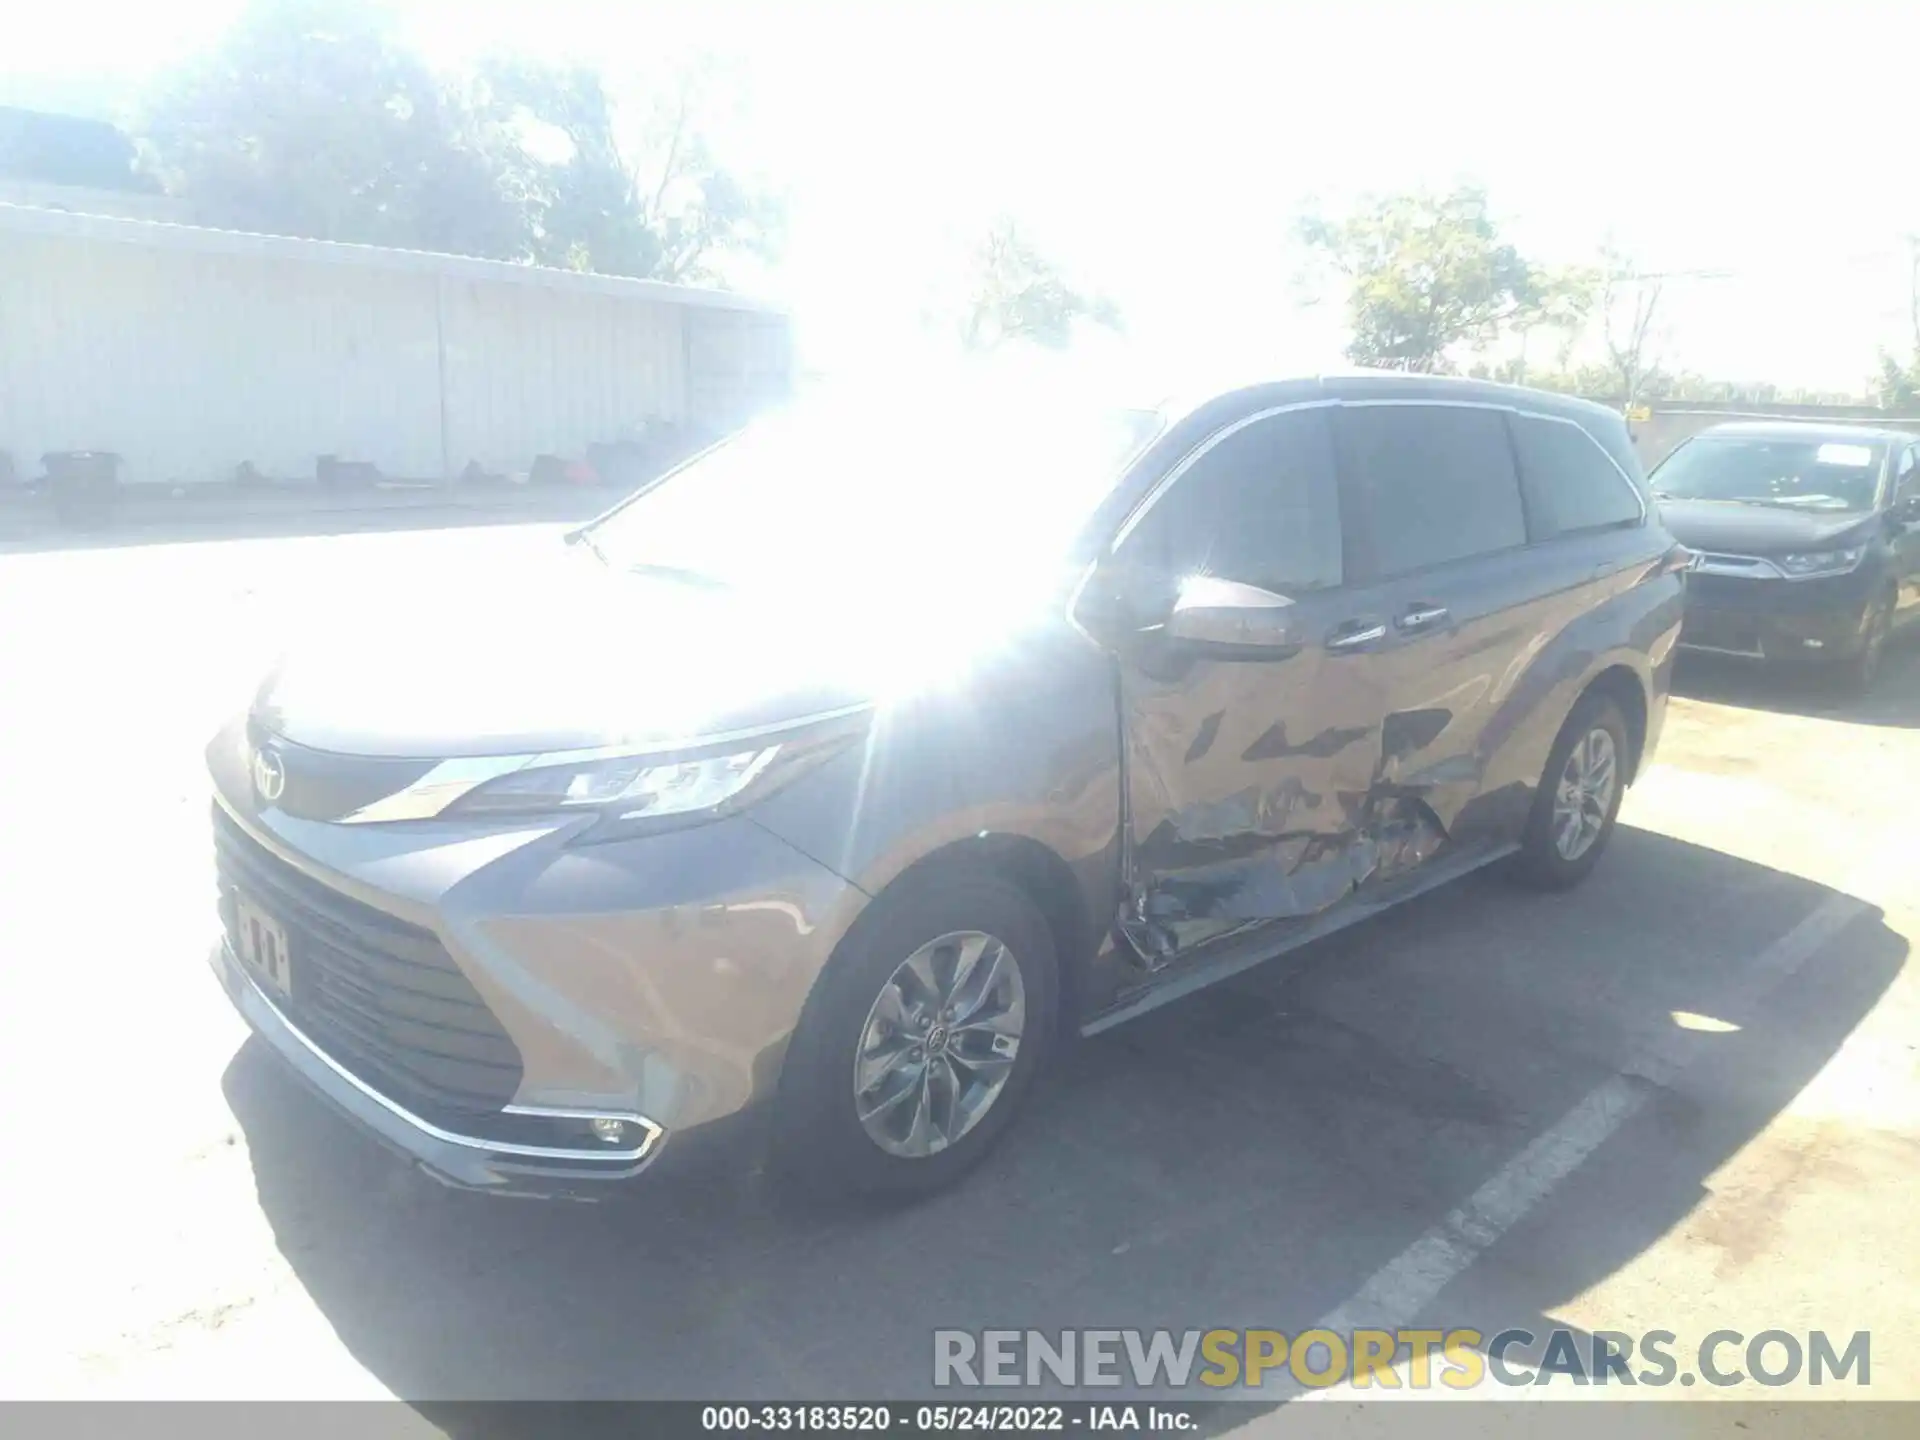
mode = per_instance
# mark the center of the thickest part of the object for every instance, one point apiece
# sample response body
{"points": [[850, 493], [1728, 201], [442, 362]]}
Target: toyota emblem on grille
{"points": [[269, 774]]}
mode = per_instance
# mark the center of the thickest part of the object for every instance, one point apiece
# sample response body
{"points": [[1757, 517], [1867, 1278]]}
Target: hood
{"points": [[1726, 528], [564, 656]]}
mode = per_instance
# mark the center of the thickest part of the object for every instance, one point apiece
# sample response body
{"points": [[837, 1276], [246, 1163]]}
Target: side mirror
{"points": [[1226, 616], [1908, 510]]}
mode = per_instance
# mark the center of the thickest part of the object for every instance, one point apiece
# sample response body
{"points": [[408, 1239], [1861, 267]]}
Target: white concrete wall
{"points": [[533, 371], [187, 363], [737, 362]]}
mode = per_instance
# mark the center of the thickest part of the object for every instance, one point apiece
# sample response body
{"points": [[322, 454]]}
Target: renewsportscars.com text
{"points": [[1458, 1359]]}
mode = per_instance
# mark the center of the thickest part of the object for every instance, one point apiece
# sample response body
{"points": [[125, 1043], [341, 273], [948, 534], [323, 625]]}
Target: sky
{"points": [[1163, 152]]}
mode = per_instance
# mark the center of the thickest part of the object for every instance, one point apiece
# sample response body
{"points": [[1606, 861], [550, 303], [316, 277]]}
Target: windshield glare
{"points": [[1802, 474], [825, 494]]}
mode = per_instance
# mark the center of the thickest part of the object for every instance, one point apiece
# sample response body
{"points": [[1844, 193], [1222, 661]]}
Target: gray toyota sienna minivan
{"points": [[832, 780]]}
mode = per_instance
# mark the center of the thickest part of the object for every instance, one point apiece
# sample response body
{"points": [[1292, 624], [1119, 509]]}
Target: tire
{"points": [[1543, 862], [822, 1147], [1857, 673]]}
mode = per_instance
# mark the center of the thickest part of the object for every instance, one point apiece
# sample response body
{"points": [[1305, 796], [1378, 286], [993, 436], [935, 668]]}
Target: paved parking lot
{"points": [[1685, 1097]]}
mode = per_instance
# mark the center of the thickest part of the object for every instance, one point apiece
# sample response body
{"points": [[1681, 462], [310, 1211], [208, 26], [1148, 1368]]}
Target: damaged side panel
{"points": [[1254, 794]]}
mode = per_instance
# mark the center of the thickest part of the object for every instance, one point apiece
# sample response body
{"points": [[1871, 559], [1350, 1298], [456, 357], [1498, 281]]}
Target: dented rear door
{"points": [[1436, 519], [1248, 778]]}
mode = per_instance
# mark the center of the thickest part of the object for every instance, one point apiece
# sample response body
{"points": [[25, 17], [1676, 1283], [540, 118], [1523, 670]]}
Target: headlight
{"points": [[1822, 562], [624, 787]]}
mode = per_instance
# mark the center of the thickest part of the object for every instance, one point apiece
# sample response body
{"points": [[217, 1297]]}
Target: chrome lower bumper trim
{"points": [[1722, 650], [636, 1157]]}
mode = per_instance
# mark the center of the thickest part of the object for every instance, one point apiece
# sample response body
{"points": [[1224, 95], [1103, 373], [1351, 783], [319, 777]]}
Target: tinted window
{"points": [[1435, 482], [1571, 483], [1260, 506]]}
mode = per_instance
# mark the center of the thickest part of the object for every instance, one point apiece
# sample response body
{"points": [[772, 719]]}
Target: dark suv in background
{"points": [[1809, 540], [835, 776]]}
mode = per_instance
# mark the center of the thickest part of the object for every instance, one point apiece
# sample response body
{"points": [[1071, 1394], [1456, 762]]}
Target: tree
{"points": [[1628, 300], [1595, 382], [656, 206], [1426, 274], [309, 120], [1898, 384], [1018, 294]]}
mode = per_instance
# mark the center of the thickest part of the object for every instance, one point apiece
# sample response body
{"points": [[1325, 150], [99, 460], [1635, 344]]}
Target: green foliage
{"points": [[1628, 299], [1018, 294], [658, 207], [311, 119], [1426, 274], [1897, 386]]}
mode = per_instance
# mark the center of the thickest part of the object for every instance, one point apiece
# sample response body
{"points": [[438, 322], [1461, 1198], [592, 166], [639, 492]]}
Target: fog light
{"points": [[610, 1132], [1814, 644]]}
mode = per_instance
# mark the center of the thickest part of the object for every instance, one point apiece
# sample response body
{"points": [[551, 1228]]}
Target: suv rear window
{"points": [[1571, 483], [1434, 482]]}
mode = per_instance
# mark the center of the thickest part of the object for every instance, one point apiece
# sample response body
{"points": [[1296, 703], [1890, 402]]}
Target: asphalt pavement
{"points": [[1684, 1097]]}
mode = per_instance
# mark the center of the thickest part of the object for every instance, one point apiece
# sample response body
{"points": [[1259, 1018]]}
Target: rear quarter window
{"points": [[1571, 483]]}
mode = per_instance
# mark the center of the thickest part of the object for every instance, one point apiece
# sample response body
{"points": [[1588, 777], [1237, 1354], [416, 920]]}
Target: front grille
{"points": [[381, 996]]}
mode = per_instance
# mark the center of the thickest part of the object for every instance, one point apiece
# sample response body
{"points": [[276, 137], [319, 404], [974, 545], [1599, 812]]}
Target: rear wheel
{"points": [[920, 1040], [1578, 799]]}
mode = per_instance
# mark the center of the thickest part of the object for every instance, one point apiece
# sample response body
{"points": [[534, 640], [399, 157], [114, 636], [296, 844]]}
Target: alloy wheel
{"points": [[1583, 797], [939, 1043]]}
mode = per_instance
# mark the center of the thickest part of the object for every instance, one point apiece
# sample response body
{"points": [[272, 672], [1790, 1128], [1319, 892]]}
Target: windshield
{"points": [[1802, 474], [826, 494]]}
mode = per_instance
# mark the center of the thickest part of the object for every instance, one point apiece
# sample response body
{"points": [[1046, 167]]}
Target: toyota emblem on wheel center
{"points": [[269, 775]]}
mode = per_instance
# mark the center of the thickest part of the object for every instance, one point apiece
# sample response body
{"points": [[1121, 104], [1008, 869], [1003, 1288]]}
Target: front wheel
{"points": [[1578, 799], [1860, 670], [921, 1039]]}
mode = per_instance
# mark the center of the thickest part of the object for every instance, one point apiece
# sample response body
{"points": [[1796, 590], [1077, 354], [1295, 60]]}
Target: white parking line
{"points": [[1395, 1295]]}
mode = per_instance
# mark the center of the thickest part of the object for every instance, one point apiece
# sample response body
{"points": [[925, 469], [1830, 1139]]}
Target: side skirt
{"points": [[1241, 953]]}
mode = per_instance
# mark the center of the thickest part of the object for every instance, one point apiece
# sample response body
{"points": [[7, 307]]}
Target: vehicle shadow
{"points": [[1894, 699], [1247, 1157]]}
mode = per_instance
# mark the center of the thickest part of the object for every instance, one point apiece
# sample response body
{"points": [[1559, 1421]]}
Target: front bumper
{"points": [[1772, 619], [465, 1161], [475, 996]]}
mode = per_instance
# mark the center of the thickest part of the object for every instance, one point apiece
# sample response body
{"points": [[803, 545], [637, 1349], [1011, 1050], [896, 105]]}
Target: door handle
{"points": [[1356, 633], [1420, 617]]}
